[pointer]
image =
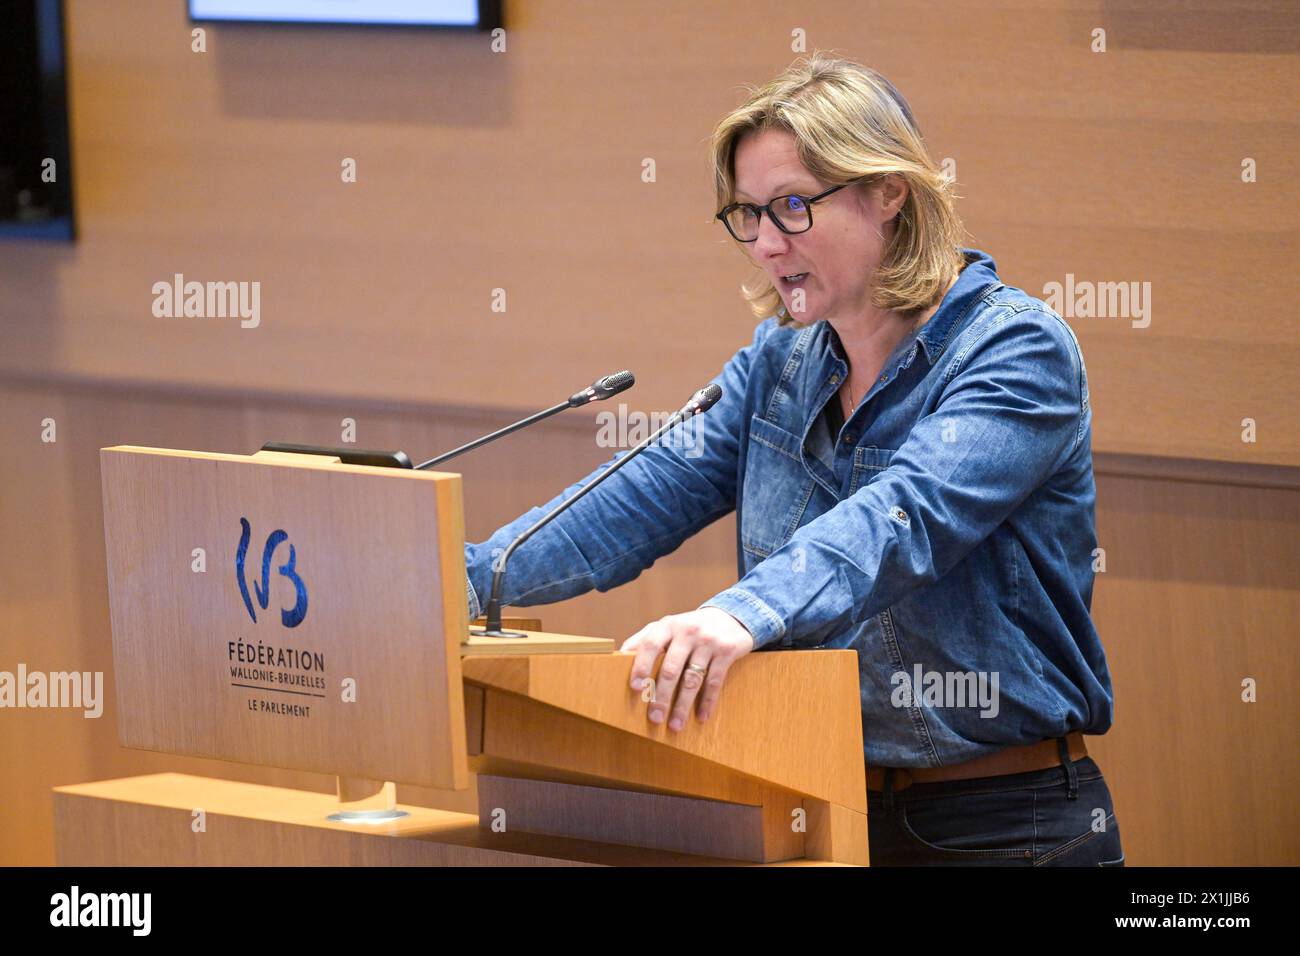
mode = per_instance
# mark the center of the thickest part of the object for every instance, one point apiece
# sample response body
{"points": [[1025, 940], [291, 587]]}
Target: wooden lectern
{"points": [[292, 611]]}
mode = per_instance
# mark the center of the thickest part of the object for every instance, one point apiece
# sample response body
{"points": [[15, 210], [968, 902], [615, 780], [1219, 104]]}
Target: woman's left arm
{"points": [[1013, 413]]}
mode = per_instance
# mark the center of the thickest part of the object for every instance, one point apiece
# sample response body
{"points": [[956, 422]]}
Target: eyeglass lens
{"points": [[789, 211]]}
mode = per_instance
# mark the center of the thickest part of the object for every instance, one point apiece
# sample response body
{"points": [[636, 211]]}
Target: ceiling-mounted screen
{"points": [[35, 167], [474, 14]]}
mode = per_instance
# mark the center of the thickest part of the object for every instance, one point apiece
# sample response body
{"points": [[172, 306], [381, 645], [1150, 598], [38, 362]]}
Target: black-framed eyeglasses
{"points": [[792, 214]]}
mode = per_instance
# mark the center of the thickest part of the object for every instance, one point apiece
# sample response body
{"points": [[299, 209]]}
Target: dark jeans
{"points": [[1061, 816]]}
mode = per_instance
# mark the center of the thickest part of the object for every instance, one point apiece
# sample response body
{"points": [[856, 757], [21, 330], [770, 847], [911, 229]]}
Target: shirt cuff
{"points": [[474, 610], [760, 620]]}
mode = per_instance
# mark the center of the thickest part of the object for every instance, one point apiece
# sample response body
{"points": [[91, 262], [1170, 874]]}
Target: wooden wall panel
{"points": [[522, 171], [1201, 594]]}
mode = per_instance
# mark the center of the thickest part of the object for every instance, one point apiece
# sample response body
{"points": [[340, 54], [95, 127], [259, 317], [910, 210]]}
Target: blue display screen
{"points": [[446, 13]]}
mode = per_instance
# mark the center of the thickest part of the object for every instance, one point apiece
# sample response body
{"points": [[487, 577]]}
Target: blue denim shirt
{"points": [[947, 535]]}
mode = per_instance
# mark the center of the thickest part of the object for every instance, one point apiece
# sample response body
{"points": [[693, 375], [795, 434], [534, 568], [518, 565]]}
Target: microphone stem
{"points": [[493, 610], [553, 410]]}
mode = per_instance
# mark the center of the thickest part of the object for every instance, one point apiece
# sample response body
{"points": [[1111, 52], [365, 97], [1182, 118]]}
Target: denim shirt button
{"points": [[850, 438], [835, 379]]}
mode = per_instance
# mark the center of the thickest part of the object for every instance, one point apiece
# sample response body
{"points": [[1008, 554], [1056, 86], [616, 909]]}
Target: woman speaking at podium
{"points": [[907, 446]]}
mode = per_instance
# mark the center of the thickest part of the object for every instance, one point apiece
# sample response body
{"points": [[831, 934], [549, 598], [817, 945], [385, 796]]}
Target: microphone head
{"points": [[704, 399], [709, 396], [613, 384], [603, 388]]}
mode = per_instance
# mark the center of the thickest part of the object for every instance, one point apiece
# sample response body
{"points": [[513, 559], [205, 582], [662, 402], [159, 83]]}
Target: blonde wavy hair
{"points": [[849, 123]]}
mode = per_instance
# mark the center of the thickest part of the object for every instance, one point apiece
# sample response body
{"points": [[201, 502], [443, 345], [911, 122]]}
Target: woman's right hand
{"points": [[699, 648]]}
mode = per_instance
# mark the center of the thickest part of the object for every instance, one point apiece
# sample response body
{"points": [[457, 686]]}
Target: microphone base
{"points": [[496, 632]]}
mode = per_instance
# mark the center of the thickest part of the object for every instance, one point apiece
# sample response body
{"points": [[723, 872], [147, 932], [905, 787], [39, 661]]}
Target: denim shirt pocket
{"points": [[868, 462], [776, 491]]}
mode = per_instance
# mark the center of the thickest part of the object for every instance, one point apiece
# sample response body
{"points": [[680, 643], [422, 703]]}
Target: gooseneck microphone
{"points": [[598, 391], [700, 402]]}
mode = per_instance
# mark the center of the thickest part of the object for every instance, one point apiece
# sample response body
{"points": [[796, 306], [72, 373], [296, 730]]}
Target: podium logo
{"points": [[289, 617]]}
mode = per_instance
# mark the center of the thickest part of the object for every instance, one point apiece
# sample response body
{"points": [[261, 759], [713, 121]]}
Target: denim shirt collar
{"points": [[828, 362], [971, 282], [974, 279]]}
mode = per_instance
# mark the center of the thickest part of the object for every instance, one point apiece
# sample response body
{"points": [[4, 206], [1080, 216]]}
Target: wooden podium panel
{"points": [[341, 651], [287, 610], [151, 821], [777, 773], [790, 719]]}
